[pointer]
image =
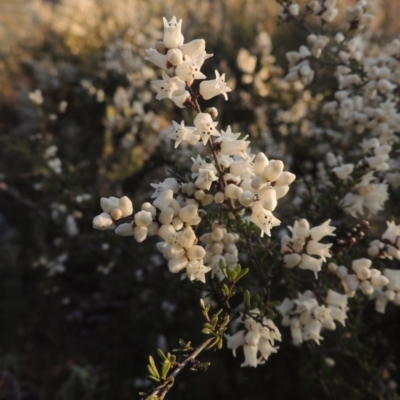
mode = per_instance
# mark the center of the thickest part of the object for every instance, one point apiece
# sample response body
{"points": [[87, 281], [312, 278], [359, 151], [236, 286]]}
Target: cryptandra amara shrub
{"points": [[216, 224]]}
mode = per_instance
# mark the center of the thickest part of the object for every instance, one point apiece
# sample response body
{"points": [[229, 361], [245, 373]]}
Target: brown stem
{"points": [[165, 387]]}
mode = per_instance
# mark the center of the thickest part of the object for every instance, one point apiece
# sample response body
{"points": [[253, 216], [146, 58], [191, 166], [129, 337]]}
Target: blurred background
{"points": [[81, 310]]}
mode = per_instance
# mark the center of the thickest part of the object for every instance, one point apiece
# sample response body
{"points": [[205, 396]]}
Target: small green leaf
{"points": [[166, 366], [153, 367], [161, 354], [242, 273]]}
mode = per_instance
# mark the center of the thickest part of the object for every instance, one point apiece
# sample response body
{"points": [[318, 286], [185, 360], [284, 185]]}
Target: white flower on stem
{"points": [[319, 249], [214, 87], [206, 177], [392, 232], [158, 59], [231, 146], [172, 33], [182, 133], [196, 270], [312, 331], [168, 87], [189, 70], [235, 341], [167, 184], [195, 49], [343, 171], [263, 218], [320, 231], [205, 127], [182, 100], [311, 263]]}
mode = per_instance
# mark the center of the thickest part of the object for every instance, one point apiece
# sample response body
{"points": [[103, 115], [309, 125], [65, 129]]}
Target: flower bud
{"points": [[281, 191], [196, 253], [125, 229], [246, 198], [140, 233], [286, 178], [166, 216], [273, 170], [143, 218], [363, 273], [232, 191], [177, 264], [150, 208], [219, 197], [116, 214], [291, 260], [126, 207], [260, 162], [267, 197]]}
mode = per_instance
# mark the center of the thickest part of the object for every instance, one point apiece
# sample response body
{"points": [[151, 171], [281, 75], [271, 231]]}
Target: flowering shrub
{"points": [[256, 187]]}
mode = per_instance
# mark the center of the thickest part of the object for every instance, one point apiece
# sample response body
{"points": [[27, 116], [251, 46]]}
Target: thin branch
{"points": [[165, 387]]}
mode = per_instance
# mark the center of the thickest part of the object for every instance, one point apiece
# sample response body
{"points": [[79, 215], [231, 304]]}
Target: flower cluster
{"points": [[364, 277], [306, 318], [257, 339], [304, 245], [390, 247]]}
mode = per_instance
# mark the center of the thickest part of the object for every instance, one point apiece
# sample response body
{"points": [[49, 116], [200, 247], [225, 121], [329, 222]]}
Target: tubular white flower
{"points": [[318, 249], [206, 178], [320, 231], [392, 232], [158, 59], [172, 33], [263, 218], [311, 263], [336, 299], [214, 87], [343, 171], [394, 279], [182, 133], [205, 127], [312, 331], [168, 87], [189, 70], [235, 341], [196, 270]]}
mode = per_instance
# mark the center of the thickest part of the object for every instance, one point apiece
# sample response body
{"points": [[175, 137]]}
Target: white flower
{"points": [[205, 178], [36, 97], [320, 231], [168, 87], [172, 33], [343, 171], [158, 59], [319, 249], [263, 218], [312, 331], [311, 263], [235, 341], [392, 232], [168, 184], [189, 70], [205, 127], [214, 87], [196, 270], [183, 134]]}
